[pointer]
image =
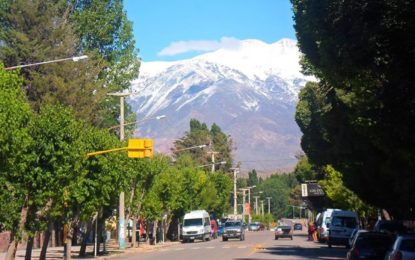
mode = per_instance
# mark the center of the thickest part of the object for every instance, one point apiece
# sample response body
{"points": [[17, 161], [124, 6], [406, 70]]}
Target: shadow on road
{"points": [[312, 251]]}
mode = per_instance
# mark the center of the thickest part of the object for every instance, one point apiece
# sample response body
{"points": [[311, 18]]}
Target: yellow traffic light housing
{"points": [[140, 148]]}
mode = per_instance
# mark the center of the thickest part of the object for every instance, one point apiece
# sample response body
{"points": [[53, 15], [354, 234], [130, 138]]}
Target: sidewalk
{"points": [[113, 252]]}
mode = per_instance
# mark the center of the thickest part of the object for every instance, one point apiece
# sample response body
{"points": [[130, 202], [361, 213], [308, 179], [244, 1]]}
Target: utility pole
{"points": [[269, 207], [243, 202], [212, 153], [235, 196], [121, 213], [249, 200], [256, 204]]}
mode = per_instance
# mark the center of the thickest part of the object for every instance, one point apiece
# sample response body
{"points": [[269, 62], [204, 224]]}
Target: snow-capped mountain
{"points": [[249, 90]]}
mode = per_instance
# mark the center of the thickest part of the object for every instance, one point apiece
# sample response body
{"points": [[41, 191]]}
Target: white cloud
{"points": [[201, 45]]}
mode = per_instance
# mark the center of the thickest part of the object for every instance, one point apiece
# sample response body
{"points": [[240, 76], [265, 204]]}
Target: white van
{"points": [[196, 225], [322, 223], [341, 227]]}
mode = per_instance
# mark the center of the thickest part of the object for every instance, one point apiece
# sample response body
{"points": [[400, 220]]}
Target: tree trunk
{"points": [[46, 239], [155, 226], [82, 250], [99, 232], [11, 251], [29, 247], [53, 234], [68, 247], [134, 230]]}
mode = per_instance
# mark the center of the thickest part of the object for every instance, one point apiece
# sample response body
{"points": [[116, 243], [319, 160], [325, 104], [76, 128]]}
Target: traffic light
{"points": [[140, 148]]}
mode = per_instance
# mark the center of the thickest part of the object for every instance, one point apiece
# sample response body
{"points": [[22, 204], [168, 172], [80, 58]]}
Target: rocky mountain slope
{"points": [[249, 90]]}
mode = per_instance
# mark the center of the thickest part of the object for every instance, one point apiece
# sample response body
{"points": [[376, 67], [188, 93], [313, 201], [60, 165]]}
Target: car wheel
{"points": [[329, 245], [224, 239], [291, 238], [276, 238]]}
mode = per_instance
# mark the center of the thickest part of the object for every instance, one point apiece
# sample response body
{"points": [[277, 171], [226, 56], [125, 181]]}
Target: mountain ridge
{"points": [[249, 90]]}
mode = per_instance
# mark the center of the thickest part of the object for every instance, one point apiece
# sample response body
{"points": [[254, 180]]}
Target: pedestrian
{"points": [[311, 229]]}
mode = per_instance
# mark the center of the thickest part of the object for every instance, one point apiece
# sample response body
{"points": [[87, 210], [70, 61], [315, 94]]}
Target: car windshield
{"points": [[192, 222], [284, 227], [232, 224]]}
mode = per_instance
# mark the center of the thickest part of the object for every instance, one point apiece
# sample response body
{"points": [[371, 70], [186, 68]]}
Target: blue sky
{"points": [[177, 29]]}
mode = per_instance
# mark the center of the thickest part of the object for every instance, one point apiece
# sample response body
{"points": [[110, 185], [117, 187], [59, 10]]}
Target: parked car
{"points": [[355, 234], [298, 226], [233, 229], [343, 223], [323, 221], [370, 245], [403, 248], [254, 226], [390, 226], [284, 231]]}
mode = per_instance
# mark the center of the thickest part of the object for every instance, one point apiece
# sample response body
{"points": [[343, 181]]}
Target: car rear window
{"points": [[408, 245], [348, 222], [373, 242]]}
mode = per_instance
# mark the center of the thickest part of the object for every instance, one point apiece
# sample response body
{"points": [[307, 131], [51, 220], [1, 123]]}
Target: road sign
{"points": [[311, 189]]}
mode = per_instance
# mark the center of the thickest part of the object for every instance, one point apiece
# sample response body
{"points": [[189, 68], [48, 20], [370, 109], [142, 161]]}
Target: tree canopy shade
{"points": [[359, 116]]}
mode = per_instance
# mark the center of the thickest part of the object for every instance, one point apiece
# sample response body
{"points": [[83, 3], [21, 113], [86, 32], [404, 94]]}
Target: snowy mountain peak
{"points": [[245, 87]]}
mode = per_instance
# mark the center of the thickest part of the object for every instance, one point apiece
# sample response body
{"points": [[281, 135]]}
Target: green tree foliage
{"points": [[199, 134], [252, 178], [342, 197], [304, 171], [358, 117], [111, 35], [34, 31], [15, 143], [278, 187]]}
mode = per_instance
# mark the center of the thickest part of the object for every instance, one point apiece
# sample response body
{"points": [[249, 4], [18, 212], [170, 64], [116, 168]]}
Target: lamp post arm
{"points": [[75, 59]]}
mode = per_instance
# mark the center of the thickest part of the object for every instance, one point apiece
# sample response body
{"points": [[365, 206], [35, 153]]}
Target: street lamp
{"points": [[191, 147], [136, 122], [269, 205], [210, 164], [249, 200], [235, 196], [121, 213], [256, 203], [74, 59]]}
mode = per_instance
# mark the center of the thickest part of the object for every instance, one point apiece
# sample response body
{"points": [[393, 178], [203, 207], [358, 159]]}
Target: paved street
{"points": [[258, 245]]}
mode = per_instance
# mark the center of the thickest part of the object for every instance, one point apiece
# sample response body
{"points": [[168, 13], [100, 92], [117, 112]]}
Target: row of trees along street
{"points": [[52, 115], [357, 119]]}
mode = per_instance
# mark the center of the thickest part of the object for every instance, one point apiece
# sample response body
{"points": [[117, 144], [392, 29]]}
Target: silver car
{"points": [[403, 248]]}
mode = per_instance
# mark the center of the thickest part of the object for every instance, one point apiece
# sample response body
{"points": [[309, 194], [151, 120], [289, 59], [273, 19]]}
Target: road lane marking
{"points": [[226, 247], [210, 247], [195, 248], [178, 249], [241, 246]]}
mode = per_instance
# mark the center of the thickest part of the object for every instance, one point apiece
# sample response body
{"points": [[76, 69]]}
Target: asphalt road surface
{"points": [[257, 245]]}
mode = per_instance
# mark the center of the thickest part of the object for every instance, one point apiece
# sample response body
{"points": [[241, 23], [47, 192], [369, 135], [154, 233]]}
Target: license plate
{"points": [[192, 237]]}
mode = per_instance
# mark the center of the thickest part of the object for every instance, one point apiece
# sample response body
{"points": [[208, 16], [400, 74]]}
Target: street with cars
{"points": [[256, 245]]}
